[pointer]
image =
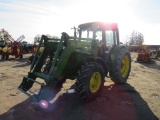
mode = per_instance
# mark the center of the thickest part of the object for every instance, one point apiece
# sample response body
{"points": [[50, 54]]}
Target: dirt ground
{"points": [[138, 99]]}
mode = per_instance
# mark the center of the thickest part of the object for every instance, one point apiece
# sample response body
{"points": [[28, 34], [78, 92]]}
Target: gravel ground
{"points": [[138, 99]]}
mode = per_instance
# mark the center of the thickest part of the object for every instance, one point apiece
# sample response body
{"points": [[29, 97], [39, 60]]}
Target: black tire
{"points": [[3, 56], [16, 56], [20, 56], [92, 72], [122, 67], [7, 56]]}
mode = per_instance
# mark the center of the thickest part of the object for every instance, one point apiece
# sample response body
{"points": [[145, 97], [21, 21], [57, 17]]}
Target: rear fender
{"points": [[100, 61], [115, 51]]}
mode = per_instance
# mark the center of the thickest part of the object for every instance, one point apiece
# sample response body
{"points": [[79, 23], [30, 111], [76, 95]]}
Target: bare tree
{"points": [[136, 38], [37, 38], [4, 35]]}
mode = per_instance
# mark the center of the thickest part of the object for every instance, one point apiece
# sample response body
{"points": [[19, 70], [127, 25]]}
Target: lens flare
{"points": [[43, 104]]}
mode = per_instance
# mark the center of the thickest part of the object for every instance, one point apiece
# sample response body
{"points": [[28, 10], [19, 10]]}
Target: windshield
{"points": [[92, 34], [87, 34]]}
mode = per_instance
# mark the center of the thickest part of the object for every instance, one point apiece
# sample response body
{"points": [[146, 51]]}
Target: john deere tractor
{"points": [[95, 54]]}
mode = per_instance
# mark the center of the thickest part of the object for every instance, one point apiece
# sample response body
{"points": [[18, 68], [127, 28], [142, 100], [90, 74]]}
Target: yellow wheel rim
{"points": [[95, 82], [125, 66]]}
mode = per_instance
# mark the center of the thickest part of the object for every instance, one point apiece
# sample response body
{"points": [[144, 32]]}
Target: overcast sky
{"points": [[32, 17]]}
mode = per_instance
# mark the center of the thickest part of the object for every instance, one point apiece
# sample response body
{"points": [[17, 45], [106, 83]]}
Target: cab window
{"points": [[87, 34], [109, 38]]}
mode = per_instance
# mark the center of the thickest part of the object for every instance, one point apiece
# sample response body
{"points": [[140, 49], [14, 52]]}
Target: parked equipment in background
{"points": [[2, 45], [30, 59], [148, 52], [12, 47], [144, 56]]}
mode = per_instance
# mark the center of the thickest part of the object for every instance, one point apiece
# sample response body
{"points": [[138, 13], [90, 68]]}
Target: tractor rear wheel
{"points": [[90, 81], [122, 66]]}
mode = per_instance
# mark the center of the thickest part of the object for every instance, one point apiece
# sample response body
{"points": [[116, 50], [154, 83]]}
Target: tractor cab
{"points": [[106, 33]]}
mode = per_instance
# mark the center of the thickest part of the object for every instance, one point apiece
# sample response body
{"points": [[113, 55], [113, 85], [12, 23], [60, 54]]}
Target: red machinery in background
{"points": [[13, 47], [148, 52], [144, 56]]}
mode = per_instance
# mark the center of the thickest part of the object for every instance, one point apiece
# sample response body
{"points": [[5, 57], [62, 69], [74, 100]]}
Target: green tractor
{"points": [[95, 54]]}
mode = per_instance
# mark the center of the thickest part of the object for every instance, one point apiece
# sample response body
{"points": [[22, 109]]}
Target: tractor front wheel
{"points": [[90, 81]]}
